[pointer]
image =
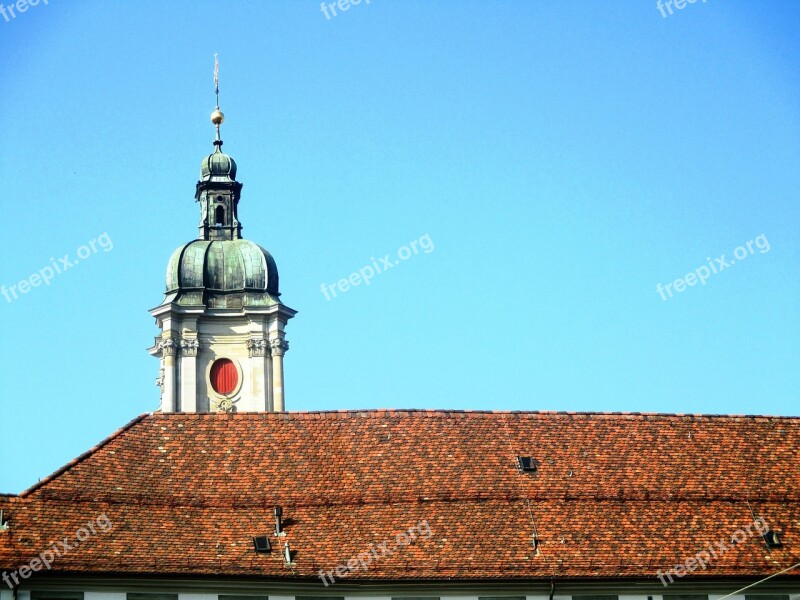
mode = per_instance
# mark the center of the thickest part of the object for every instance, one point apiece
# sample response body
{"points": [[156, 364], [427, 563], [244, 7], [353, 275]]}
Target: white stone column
{"points": [[187, 364], [279, 346], [268, 382], [167, 347], [259, 384]]}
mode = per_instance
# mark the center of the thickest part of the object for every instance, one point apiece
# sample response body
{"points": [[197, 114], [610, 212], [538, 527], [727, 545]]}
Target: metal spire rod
{"points": [[216, 78], [217, 117]]}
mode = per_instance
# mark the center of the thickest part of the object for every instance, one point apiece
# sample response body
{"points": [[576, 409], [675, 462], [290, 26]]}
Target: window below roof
{"points": [[595, 597], [319, 597], [501, 597], [137, 596], [685, 597], [766, 597], [229, 597], [56, 595]]}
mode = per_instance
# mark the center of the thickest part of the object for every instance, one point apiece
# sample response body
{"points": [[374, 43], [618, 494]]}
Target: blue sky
{"points": [[563, 158]]}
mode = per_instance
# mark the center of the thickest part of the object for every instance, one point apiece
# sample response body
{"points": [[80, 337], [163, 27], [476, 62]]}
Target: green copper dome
{"points": [[218, 166], [223, 273]]}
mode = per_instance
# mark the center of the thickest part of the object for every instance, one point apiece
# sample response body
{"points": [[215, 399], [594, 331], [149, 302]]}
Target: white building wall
{"points": [[331, 591]]}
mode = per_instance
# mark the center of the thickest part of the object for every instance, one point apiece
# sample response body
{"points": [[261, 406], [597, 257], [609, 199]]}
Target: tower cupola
{"points": [[218, 166]]}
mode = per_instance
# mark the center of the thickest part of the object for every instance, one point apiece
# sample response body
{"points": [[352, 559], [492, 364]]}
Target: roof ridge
{"points": [[84, 456], [208, 501], [404, 412]]}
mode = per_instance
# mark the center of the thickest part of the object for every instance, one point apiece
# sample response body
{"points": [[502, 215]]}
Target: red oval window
{"points": [[224, 376]]}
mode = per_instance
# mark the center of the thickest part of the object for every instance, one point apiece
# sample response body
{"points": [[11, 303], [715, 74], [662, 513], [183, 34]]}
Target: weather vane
{"points": [[216, 78], [217, 118]]}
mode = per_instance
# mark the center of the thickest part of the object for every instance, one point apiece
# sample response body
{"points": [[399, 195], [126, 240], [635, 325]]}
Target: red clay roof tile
{"points": [[614, 495]]}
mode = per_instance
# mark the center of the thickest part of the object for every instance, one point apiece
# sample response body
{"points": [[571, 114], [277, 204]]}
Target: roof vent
{"points": [[287, 554], [771, 539], [261, 544], [527, 464], [278, 524]]}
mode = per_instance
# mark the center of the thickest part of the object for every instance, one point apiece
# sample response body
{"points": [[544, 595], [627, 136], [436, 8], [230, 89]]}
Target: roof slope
{"points": [[614, 495]]}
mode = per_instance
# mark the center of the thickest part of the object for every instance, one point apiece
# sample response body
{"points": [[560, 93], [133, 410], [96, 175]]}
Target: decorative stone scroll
{"points": [[279, 346], [189, 347], [167, 347], [258, 347]]}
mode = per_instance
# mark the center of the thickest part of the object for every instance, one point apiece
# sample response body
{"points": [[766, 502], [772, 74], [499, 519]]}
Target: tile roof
{"points": [[614, 495]]}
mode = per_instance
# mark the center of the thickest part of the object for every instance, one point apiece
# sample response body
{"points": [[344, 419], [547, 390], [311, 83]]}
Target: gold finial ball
{"points": [[217, 118]]}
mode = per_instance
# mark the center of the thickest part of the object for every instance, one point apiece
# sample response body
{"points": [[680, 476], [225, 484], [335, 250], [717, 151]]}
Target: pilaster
{"points": [[188, 374], [259, 351], [168, 349], [279, 346]]}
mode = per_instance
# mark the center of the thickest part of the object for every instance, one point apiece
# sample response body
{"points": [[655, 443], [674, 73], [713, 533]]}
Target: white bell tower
{"points": [[222, 322]]}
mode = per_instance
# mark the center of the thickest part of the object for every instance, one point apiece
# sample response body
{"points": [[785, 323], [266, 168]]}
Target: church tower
{"points": [[222, 321]]}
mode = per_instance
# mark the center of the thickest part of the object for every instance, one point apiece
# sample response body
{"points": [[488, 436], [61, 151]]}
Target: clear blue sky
{"points": [[564, 158]]}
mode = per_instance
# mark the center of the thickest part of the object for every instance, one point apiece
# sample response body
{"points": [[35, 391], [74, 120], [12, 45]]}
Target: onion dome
{"points": [[222, 274], [218, 166]]}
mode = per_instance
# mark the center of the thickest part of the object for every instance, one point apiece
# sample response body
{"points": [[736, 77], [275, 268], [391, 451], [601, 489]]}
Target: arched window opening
{"points": [[220, 216]]}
